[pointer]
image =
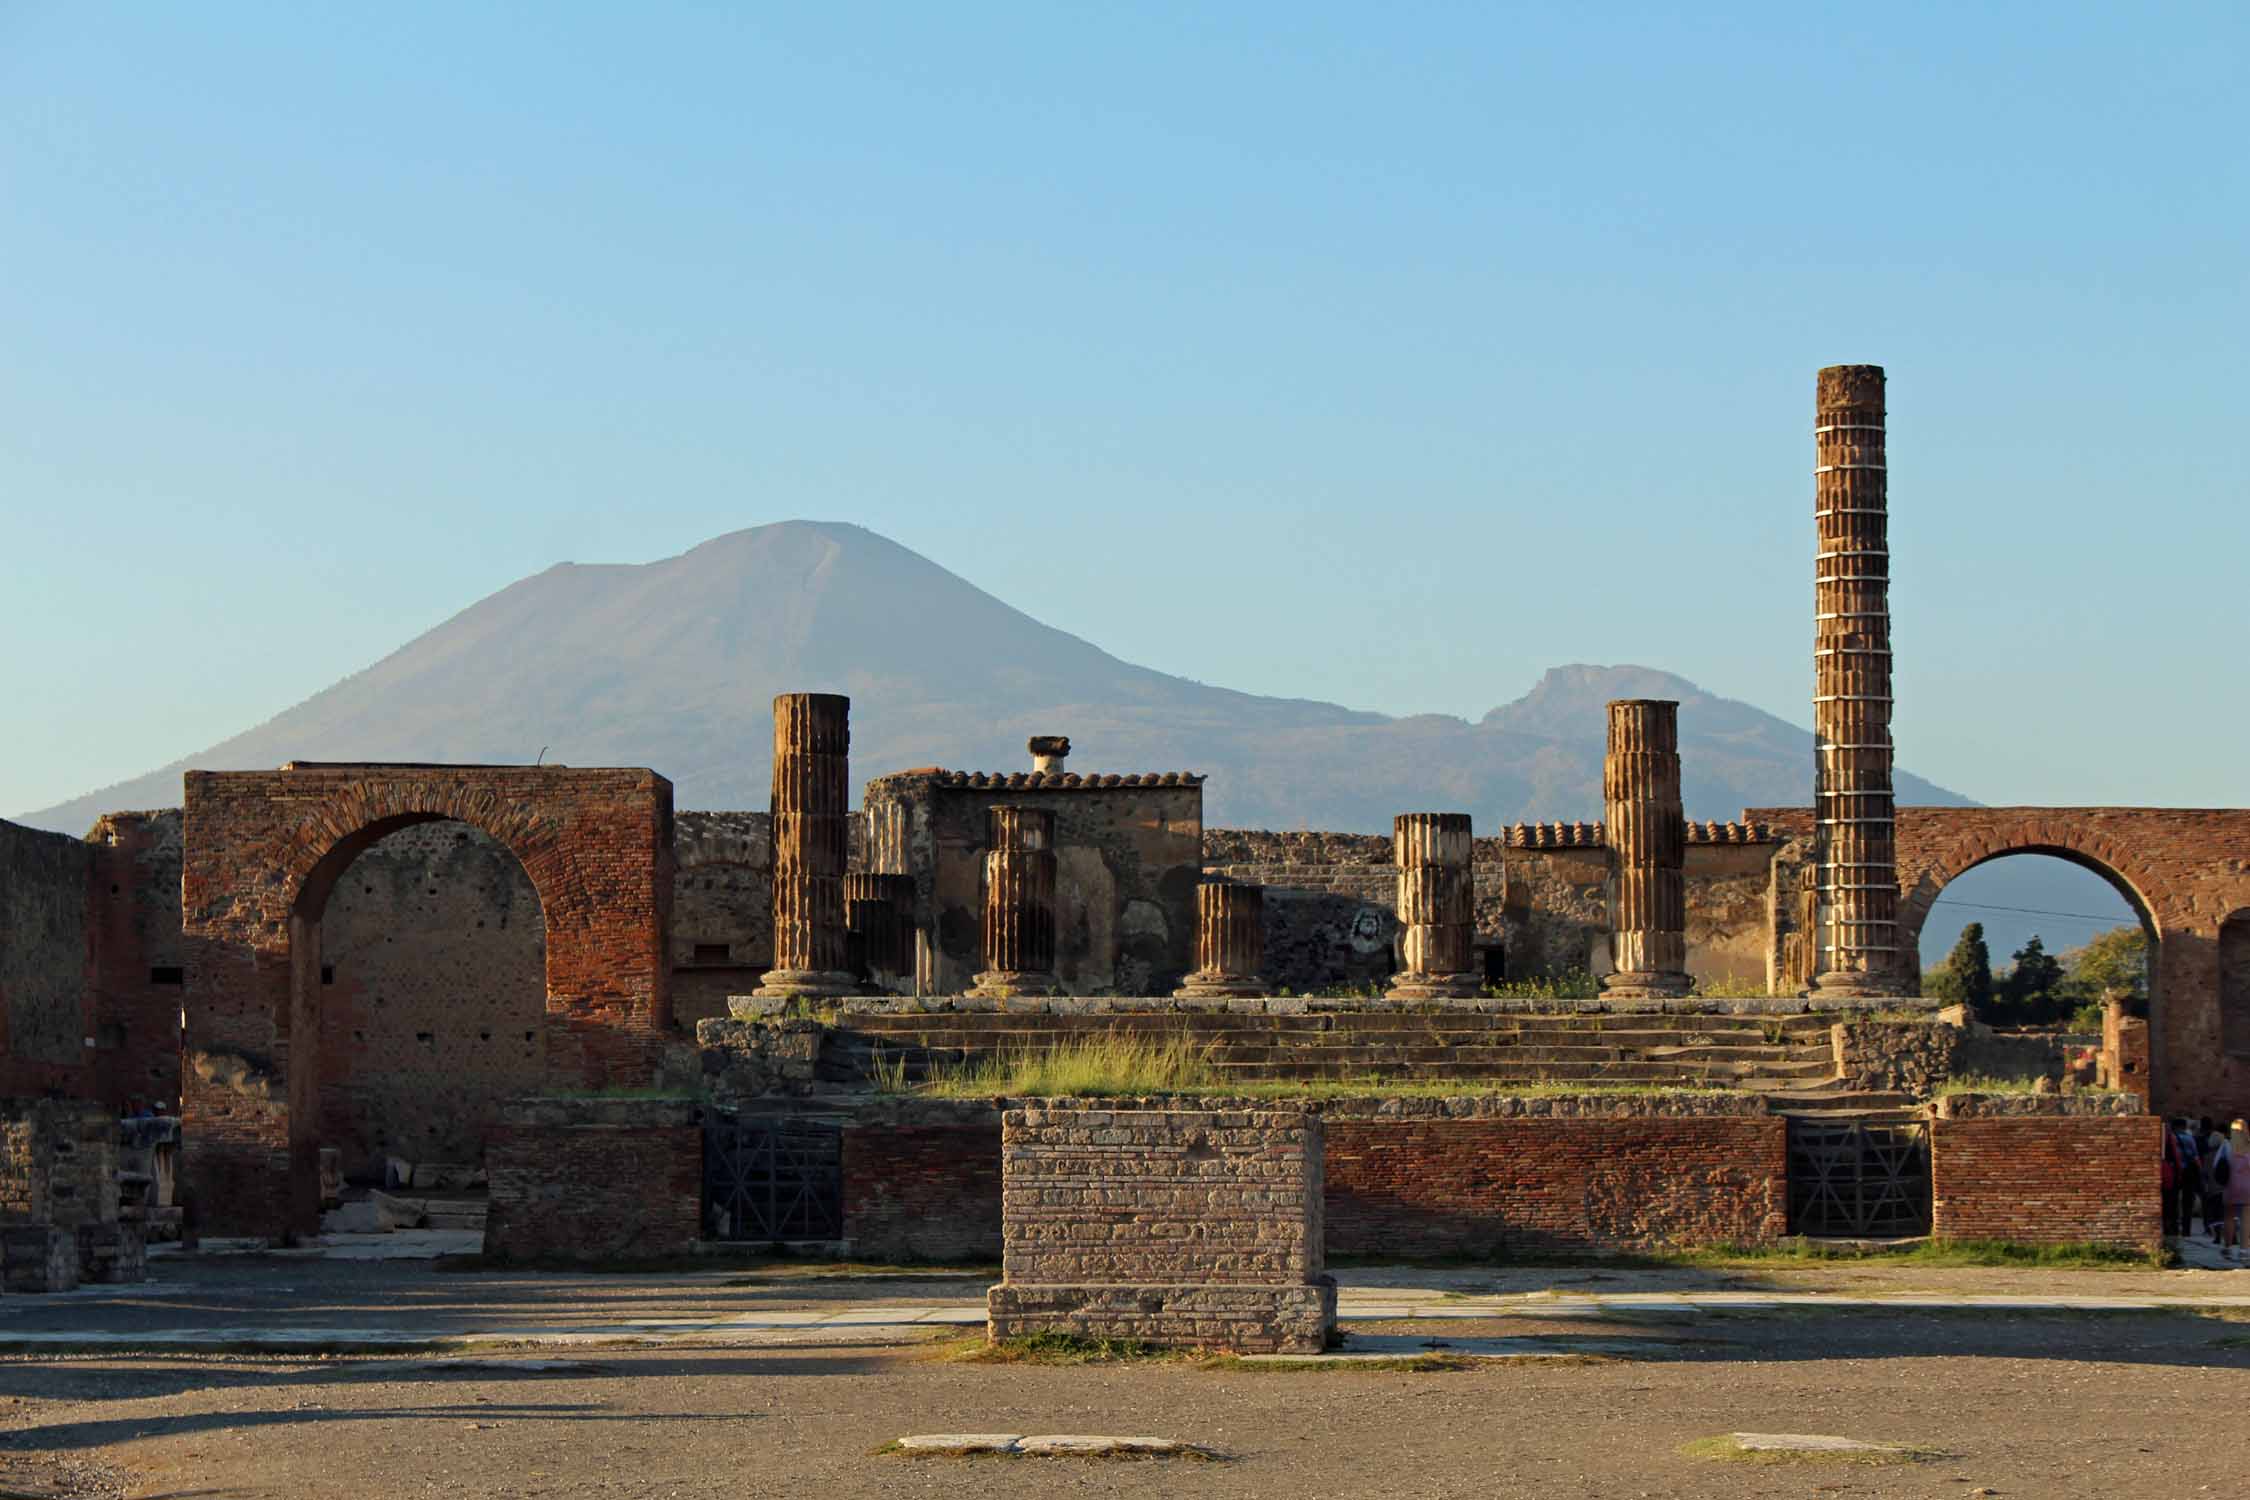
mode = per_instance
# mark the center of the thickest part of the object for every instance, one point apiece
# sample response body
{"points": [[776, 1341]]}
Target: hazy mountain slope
{"points": [[674, 664]]}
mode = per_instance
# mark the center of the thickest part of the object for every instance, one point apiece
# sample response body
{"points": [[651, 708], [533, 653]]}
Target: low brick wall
{"points": [[1578, 1175], [1176, 1226], [594, 1179], [923, 1192], [2049, 1170]]}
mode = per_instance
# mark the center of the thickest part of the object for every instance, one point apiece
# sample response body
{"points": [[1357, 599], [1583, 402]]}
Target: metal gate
{"points": [[767, 1180], [1856, 1181]]}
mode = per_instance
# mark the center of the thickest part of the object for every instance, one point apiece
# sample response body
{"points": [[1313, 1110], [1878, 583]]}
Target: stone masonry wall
{"points": [[140, 959], [2053, 1177], [46, 1010], [1196, 1227], [58, 1163], [595, 1179]]}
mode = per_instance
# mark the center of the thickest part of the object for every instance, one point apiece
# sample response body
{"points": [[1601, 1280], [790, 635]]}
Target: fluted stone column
{"points": [[1852, 794], [1230, 942], [1019, 905], [1436, 907], [882, 926], [811, 782], [1647, 832]]}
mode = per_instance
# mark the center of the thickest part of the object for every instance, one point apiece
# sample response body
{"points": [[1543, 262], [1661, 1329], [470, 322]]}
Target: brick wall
{"points": [[46, 998], [140, 959], [1176, 1226], [923, 1192], [1603, 1181], [263, 851], [2053, 1176], [594, 1179]]}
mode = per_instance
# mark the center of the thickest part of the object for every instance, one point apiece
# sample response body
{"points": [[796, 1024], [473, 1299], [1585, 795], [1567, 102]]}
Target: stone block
{"points": [[111, 1253], [1242, 1319], [38, 1258]]}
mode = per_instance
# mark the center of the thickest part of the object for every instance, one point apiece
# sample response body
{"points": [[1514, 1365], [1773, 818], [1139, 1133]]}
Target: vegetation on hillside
{"points": [[2039, 988]]}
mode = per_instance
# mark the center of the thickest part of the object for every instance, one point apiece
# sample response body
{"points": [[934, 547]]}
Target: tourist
{"points": [[2237, 1188], [2213, 1150], [2187, 1184], [2168, 1180]]}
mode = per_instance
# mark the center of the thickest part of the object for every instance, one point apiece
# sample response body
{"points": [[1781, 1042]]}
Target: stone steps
{"points": [[1794, 1028]]}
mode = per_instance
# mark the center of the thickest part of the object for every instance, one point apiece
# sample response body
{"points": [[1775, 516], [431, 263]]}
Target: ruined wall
{"points": [[433, 995], [46, 1010], [595, 1179], [140, 959], [2045, 1170], [1592, 1174], [58, 1163], [923, 1192], [1129, 854], [264, 851], [1541, 900]]}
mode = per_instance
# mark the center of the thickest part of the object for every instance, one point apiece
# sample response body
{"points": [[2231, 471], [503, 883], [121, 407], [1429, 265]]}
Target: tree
{"points": [[2113, 962], [2027, 994], [1969, 966]]}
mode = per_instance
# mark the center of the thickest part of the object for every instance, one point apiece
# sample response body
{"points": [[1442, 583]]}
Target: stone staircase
{"points": [[1788, 1056]]}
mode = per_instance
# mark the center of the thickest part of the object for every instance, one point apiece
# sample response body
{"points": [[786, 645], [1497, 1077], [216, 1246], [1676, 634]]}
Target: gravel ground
{"points": [[2026, 1404]]}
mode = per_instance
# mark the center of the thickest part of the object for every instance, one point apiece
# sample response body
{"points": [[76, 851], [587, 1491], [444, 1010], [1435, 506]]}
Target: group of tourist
{"points": [[2204, 1176]]}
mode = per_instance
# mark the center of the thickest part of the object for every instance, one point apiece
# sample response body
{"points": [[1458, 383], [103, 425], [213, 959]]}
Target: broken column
{"points": [[1436, 907], [1647, 831], [1230, 942], [1852, 801], [879, 914], [811, 782], [1019, 904]]}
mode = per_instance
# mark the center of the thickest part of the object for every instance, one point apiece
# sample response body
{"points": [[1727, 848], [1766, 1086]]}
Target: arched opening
{"points": [[418, 970], [2234, 984], [2061, 929]]}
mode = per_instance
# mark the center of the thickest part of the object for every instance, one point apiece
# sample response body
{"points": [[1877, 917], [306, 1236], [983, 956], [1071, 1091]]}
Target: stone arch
{"points": [[263, 851]]}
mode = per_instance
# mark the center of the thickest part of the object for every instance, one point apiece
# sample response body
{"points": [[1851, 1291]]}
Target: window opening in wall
{"points": [[327, 973], [711, 953], [167, 974], [1495, 964]]}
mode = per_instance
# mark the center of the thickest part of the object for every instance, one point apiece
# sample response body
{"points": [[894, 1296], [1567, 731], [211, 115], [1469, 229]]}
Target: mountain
{"points": [[674, 664]]}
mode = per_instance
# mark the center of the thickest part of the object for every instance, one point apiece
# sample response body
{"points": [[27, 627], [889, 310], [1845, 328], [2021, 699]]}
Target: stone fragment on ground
{"points": [[1808, 1442], [1049, 1445]]}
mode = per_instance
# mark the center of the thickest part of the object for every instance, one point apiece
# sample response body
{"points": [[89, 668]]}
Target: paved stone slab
{"points": [[960, 1442], [1808, 1442], [1069, 1445]]}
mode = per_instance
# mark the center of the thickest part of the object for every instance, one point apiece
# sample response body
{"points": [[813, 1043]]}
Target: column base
{"points": [[1004, 984], [1853, 984], [807, 984], [1204, 984], [1651, 984], [1462, 986]]}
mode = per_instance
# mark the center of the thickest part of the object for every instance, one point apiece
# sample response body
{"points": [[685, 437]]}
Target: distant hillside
{"points": [[674, 665]]}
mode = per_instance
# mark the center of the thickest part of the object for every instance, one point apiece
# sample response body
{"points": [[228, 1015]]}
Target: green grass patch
{"points": [[1725, 1449], [1800, 1251], [1050, 1349]]}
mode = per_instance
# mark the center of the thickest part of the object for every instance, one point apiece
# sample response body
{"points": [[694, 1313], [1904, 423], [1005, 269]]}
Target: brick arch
{"points": [[1924, 875], [262, 852]]}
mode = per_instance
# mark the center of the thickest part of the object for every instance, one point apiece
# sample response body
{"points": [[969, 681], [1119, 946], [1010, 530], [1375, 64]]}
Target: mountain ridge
{"points": [[673, 664]]}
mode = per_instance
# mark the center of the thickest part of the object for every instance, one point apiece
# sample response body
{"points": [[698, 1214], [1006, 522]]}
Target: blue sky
{"points": [[1383, 355]]}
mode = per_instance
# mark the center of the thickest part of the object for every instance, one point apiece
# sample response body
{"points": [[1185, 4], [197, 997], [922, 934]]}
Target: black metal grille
{"points": [[1858, 1181], [767, 1180]]}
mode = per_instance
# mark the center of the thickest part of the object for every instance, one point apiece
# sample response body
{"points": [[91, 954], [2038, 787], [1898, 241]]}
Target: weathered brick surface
{"points": [[594, 1179], [58, 1163], [263, 851], [1195, 1227], [140, 959], [38, 1258], [46, 998], [2050, 1178], [922, 1192], [1437, 1187]]}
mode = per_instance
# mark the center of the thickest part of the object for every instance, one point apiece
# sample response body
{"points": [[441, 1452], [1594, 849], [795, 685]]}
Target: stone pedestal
{"points": [[879, 913], [38, 1258], [811, 784], [1436, 908], [1019, 905], [1230, 942], [1860, 953], [1647, 832], [1188, 1228]]}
